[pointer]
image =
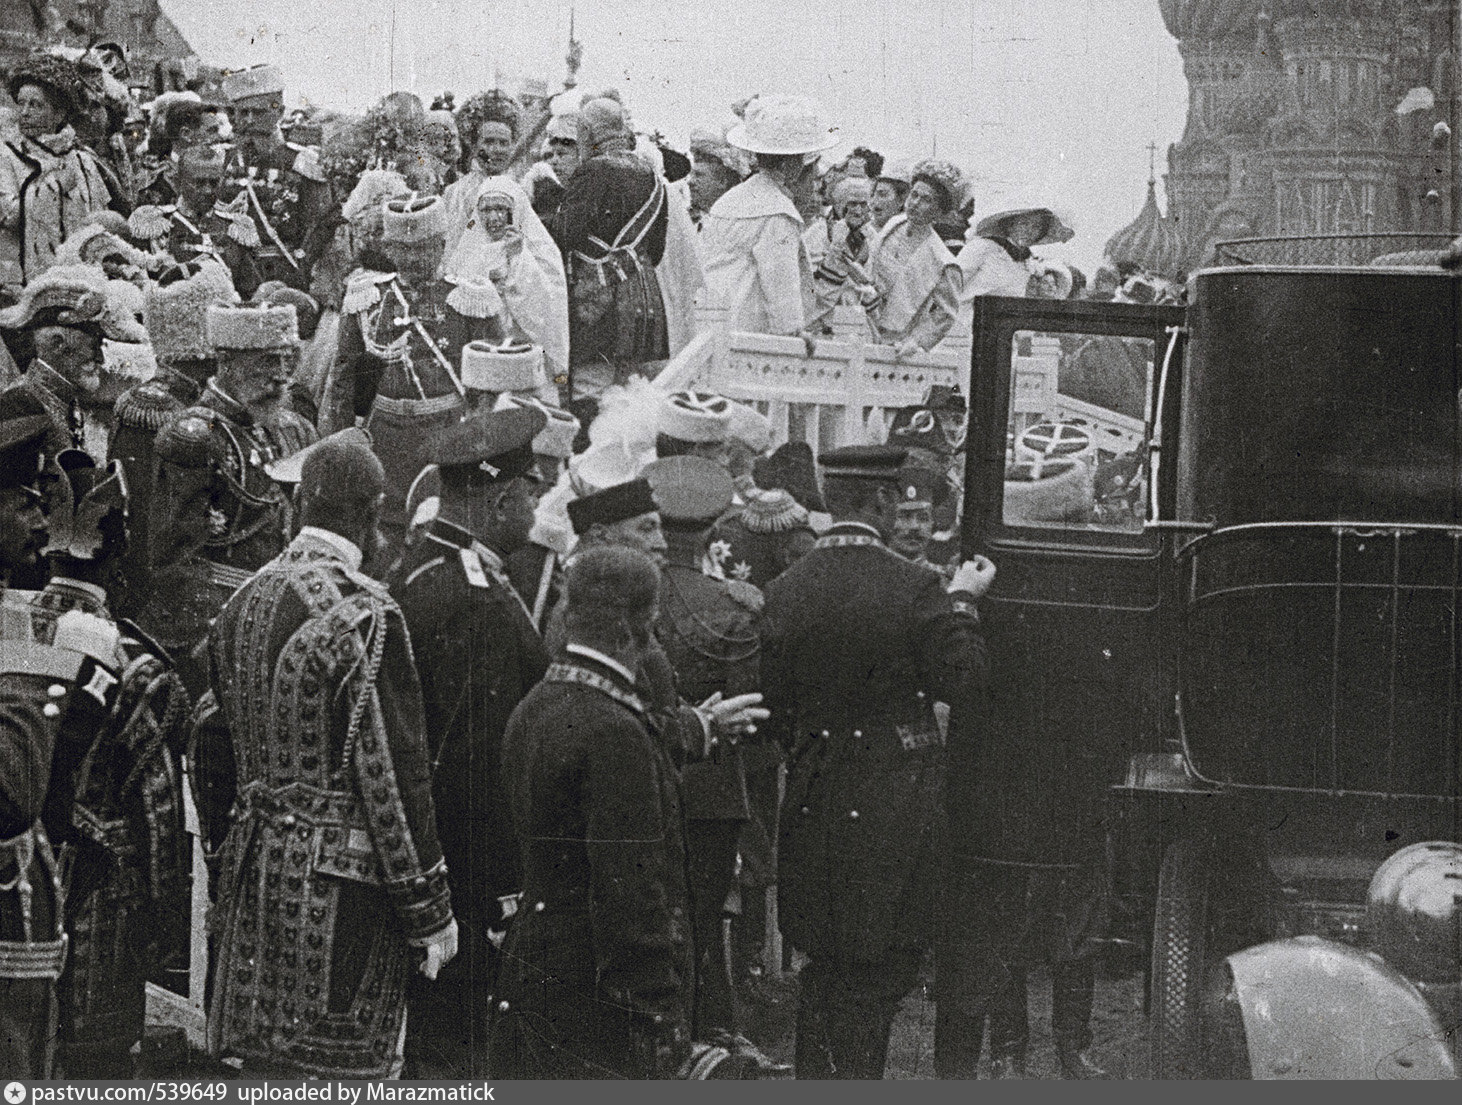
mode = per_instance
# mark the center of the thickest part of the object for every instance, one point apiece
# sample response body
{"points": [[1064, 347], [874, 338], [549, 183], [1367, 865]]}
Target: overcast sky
{"points": [[1038, 100]]}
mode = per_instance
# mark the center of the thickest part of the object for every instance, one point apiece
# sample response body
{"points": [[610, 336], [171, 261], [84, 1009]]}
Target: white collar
{"points": [[347, 549], [608, 661], [755, 198]]}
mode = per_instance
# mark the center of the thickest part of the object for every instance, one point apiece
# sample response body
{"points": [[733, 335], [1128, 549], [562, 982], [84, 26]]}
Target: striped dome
{"points": [[1149, 241]]}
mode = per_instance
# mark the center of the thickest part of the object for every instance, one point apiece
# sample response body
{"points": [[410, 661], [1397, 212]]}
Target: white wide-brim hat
{"points": [[1058, 230], [783, 125]]}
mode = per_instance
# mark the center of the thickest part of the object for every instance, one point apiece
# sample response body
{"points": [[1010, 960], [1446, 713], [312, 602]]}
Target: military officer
{"points": [[200, 224], [125, 887], [38, 685], [401, 339], [708, 630], [56, 331], [857, 645], [478, 654], [244, 409], [283, 184]]}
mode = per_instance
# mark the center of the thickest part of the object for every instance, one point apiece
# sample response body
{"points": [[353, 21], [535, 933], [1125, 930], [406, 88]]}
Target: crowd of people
{"points": [[334, 469]]}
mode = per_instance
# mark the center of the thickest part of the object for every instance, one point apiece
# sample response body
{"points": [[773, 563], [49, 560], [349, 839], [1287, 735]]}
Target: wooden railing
{"points": [[843, 393]]}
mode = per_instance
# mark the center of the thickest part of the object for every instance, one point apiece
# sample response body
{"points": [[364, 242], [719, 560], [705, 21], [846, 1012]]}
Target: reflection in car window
{"points": [[1076, 444]]}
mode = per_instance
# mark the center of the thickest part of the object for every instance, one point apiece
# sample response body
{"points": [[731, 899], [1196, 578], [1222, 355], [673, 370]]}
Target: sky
{"points": [[1040, 101]]}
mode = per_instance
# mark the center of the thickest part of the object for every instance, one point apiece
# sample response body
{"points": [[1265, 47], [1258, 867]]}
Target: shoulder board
{"points": [[473, 569], [436, 562], [746, 594]]}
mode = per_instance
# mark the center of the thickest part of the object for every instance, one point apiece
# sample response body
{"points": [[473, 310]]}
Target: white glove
{"points": [[539, 170], [735, 716], [441, 949], [88, 634], [974, 576]]}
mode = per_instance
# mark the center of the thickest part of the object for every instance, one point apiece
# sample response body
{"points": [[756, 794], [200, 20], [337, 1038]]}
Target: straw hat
{"points": [[1057, 229], [783, 125]]}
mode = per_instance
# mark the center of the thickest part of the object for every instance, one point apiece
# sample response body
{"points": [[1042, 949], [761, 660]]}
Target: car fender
{"points": [[1313, 1008]]}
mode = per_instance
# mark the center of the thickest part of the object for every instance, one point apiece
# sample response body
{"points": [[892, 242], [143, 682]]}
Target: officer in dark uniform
{"points": [[707, 628], [478, 654], [39, 690], [857, 645], [283, 185]]}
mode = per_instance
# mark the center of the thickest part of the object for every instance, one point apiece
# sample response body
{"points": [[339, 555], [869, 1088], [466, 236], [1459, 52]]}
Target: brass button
{"points": [[503, 1007], [857, 732], [55, 690], [854, 815], [289, 820], [50, 709], [537, 907]]}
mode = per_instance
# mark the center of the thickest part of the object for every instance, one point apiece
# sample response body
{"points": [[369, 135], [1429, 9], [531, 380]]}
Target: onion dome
{"points": [[1150, 241], [1211, 19]]}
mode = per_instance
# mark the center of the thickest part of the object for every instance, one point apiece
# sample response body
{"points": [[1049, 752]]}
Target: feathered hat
{"points": [[73, 295], [947, 177]]}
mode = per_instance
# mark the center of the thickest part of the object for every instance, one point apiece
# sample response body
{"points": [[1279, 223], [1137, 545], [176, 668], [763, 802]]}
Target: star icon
{"points": [[14, 1093]]}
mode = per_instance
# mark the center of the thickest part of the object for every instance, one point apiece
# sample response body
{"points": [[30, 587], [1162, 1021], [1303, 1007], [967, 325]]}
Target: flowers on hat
{"points": [[947, 177], [783, 125]]}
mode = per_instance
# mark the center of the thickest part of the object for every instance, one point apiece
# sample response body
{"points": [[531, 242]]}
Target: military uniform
{"points": [[857, 646], [332, 863], [478, 654], [114, 810], [285, 192], [226, 233], [598, 967], [400, 348]]}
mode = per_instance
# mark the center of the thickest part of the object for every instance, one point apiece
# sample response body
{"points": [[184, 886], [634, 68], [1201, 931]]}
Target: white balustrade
{"points": [[844, 393]]}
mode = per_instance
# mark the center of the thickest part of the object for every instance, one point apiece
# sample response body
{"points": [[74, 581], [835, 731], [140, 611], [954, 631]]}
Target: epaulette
{"points": [[150, 221], [243, 229], [746, 594], [307, 163], [146, 406], [475, 299], [362, 291]]}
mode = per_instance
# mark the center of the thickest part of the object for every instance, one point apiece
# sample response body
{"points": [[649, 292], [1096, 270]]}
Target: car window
{"points": [[1076, 442]]}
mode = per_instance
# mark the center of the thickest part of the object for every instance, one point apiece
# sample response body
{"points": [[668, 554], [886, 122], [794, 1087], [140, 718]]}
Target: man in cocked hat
{"points": [[478, 654]]}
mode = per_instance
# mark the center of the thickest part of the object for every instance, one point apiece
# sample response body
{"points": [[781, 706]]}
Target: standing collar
{"points": [[343, 548], [457, 537], [844, 535], [601, 658]]}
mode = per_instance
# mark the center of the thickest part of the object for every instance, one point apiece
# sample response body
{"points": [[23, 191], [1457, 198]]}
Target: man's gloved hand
{"points": [[441, 949], [974, 576], [733, 717]]}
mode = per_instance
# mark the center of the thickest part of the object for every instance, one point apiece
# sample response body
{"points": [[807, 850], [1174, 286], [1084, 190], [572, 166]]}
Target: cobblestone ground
{"points": [[1118, 1024]]}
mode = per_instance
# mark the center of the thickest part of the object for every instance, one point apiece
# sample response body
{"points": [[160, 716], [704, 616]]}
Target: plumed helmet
{"points": [[1414, 911]]}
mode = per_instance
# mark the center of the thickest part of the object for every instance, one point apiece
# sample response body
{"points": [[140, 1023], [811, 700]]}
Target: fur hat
{"points": [[613, 504], [1048, 491], [749, 427], [275, 293], [563, 126], [947, 177], [695, 416], [55, 74], [414, 218], [257, 80], [93, 243], [271, 329], [374, 188], [176, 314], [73, 295], [489, 367]]}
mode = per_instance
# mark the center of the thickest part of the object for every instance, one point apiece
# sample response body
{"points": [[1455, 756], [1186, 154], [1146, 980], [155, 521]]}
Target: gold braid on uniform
{"points": [[747, 644]]}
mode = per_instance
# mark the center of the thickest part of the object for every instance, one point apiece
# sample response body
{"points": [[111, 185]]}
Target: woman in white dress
{"points": [[507, 258]]}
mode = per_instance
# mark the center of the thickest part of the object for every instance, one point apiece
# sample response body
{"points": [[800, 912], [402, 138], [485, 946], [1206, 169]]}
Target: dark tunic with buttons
{"points": [[857, 646], [478, 655], [332, 863], [598, 971]]}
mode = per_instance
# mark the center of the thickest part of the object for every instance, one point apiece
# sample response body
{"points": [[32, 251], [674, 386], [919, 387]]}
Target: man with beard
{"points": [[282, 186], [32, 944], [56, 331], [331, 879], [244, 407], [478, 654]]}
